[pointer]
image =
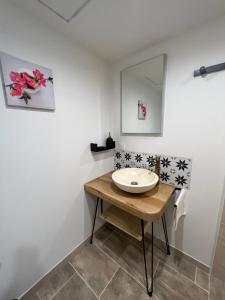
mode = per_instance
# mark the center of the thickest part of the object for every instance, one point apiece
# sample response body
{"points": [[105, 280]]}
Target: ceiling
{"points": [[66, 10], [114, 29]]}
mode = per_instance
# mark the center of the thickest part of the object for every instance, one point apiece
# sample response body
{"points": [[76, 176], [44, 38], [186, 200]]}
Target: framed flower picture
{"points": [[26, 84], [142, 110]]}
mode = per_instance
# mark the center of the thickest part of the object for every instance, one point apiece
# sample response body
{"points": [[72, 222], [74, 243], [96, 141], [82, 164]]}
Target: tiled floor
{"points": [[112, 268], [217, 282]]}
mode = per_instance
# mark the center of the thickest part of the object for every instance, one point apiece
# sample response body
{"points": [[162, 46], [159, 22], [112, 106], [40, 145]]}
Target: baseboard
{"points": [[188, 257]]}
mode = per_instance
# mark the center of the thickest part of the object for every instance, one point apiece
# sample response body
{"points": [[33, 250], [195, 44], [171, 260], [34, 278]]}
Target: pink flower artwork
{"points": [[30, 85], [22, 82], [16, 89], [142, 110]]}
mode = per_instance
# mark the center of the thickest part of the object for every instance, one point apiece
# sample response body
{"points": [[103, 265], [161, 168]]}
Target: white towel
{"points": [[179, 206]]}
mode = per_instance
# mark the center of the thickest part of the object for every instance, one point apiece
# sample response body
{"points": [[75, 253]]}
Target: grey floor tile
{"points": [[170, 284], [54, 281], [128, 255], [132, 260], [123, 287], [219, 260], [222, 232], [217, 289], [202, 279], [30, 296], [177, 261], [115, 245], [101, 235], [164, 292], [94, 266], [75, 289], [223, 215], [128, 237], [203, 267]]}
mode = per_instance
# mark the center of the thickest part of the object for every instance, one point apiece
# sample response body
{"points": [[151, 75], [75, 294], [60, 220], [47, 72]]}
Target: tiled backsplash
{"points": [[173, 170]]}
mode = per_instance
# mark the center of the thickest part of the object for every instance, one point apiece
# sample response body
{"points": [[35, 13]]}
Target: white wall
{"points": [[45, 157], [194, 126], [132, 91]]}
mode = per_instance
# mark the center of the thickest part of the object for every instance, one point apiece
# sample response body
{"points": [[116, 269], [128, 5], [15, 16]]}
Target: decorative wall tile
{"points": [[176, 170], [173, 170], [131, 159]]}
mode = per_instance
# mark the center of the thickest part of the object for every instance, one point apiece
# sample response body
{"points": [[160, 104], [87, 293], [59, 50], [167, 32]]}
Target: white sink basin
{"points": [[135, 180]]}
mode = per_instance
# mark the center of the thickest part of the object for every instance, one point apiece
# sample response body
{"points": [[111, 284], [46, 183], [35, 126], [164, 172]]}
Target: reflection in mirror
{"points": [[142, 96]]}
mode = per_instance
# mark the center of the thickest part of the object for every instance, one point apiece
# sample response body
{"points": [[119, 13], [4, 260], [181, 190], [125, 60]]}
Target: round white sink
{"points": [[135, 180]]}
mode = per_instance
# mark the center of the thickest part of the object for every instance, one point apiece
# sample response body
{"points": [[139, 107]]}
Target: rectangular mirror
{"points": [[142, 88]]}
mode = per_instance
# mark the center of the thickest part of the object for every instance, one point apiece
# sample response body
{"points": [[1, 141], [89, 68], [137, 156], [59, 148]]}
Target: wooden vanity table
{"points": [[132, 213]]}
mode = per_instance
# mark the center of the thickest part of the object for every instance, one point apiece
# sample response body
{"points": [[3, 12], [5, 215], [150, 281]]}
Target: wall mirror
{"points": [[142, 90]]}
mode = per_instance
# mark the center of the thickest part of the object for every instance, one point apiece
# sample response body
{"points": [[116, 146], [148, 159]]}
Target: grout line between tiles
{"points": [[160, 247], [156, 268], [198, 284], [120, 266], [182, 275], [202, 288], [39, 297], [140, 283], [163, 283], [75, 249], [86, 283], [177, 271], [65, 283], [109, 282], [126, 237], [209, 285], [108, 235], [209, 280], [156, 246], [195, 280], [159, 260], [166, 285]]}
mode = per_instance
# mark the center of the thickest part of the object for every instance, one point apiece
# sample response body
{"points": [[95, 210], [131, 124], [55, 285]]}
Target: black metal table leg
{"points": [[101, 206], [165, 233], [150, 292], [93, 227]]}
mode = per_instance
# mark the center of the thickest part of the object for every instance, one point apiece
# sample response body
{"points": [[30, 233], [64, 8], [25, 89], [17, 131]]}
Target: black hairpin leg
{"points": [[101, 206], [165, 233], [93, 227], [146, 271]]}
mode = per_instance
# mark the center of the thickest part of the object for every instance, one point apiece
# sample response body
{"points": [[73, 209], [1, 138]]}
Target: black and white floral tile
{"points": [[173, 170]]}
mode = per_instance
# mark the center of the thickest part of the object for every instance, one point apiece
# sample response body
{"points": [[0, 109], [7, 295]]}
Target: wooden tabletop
{"points": [[148, 206]]}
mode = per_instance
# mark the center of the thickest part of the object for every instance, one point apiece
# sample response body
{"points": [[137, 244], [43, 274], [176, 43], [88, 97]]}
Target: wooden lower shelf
{"points": [[124, 221]]}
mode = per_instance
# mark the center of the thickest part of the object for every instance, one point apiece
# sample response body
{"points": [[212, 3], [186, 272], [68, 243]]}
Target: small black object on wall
{"points": [[96, 148], [110, 144], [207, 70]]}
